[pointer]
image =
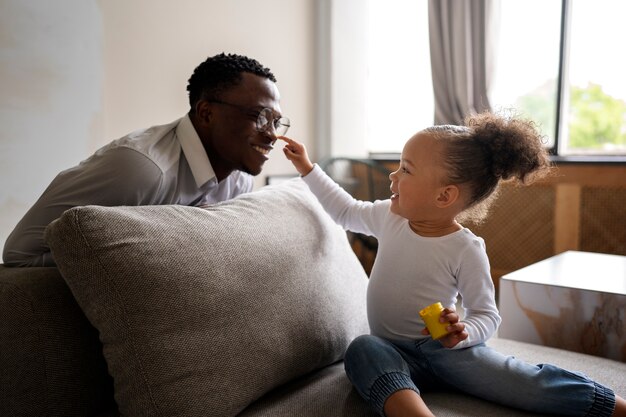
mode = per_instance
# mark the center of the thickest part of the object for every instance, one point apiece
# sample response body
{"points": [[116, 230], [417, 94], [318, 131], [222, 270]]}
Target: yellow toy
{"points": [[431, 315]]}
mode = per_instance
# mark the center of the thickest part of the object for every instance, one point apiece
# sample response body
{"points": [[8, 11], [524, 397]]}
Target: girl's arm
{"points": [[296, 153], [354, 215], [478, 294]]}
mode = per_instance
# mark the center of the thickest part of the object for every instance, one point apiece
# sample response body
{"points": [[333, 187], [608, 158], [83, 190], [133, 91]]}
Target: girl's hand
{"points": [[296, 153], [456, 328]]}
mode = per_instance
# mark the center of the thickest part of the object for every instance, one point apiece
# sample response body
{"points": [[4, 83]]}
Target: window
{"points": [[571, 80], [595, 101], [399, 85], [527, 61], [558, 62]]}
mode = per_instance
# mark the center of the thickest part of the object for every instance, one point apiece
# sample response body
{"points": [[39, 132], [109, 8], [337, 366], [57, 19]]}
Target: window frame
{"points": [[562, 76]]}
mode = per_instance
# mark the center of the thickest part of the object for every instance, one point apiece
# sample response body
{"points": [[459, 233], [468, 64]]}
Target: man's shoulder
{"points": [[144, 138], [157, 144]]}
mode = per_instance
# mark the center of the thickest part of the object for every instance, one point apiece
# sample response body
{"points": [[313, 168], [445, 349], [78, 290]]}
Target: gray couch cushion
{"points": [[326, 392], [329, 393], [202, 311], [51, 361]]}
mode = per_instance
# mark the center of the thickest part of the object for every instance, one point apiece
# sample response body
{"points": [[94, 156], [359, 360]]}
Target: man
{"points": [[209, 155]]}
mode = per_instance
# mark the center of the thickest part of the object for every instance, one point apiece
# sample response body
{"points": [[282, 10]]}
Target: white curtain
{"points": [[462, 35]]}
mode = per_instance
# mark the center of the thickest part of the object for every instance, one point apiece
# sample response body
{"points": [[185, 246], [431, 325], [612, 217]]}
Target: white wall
{"points": [[75, 74]]}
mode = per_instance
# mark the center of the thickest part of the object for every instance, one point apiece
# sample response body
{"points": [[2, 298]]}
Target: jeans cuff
{"points": [[386, 385], [603, 402]]}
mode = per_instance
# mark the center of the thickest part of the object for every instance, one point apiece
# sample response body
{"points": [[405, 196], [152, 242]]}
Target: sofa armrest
{"points": [[50, 355]]}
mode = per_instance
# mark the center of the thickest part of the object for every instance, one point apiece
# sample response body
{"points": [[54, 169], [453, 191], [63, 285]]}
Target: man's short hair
{"points": [[220, 72]]}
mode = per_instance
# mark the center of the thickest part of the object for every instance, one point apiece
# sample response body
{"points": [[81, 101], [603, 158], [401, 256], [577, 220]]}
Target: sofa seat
{"points": [[328, 392], [244, 308]]}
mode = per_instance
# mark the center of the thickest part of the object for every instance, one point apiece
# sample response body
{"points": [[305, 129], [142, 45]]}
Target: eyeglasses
{"points": [[265, 120]]}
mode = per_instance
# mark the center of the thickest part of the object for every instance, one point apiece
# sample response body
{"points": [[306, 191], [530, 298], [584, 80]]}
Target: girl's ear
{"points": [[448, 195]]}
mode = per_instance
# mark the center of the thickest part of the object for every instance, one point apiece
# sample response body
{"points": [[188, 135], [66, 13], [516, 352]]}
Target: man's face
{"points": [[232, 139]]}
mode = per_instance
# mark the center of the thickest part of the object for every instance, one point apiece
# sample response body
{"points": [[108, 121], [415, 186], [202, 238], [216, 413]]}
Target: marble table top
{"points": [[579, 270]]}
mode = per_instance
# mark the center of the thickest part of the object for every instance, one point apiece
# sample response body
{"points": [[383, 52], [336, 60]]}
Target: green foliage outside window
{"points": [[597, 121]]}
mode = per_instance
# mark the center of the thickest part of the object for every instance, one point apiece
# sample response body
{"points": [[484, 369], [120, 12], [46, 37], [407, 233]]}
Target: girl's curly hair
{"points": [[487, 149]]}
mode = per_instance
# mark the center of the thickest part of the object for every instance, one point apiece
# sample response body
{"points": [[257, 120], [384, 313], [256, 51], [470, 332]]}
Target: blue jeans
{"points": [[378, 367]]}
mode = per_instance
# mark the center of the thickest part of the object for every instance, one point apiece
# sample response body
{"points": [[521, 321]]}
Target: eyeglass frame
{"points": [[283, 122]]}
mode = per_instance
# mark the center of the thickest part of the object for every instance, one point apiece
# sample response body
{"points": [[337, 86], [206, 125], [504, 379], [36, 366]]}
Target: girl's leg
{"points": [[378, 370], [485, 373], [620, 407], [405, 403]]}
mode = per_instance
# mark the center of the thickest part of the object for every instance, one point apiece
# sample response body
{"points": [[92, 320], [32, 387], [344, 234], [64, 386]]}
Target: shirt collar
{"points": [[194, 152]]}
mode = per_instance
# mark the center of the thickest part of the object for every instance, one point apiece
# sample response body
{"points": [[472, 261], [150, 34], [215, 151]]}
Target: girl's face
{"points": [[417, 183]]}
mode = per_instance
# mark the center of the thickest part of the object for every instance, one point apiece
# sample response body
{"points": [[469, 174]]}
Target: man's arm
{"points": [[120, 176]]}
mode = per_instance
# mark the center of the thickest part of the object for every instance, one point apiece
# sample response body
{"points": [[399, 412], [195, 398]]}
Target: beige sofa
{"points": [[244, 308]]}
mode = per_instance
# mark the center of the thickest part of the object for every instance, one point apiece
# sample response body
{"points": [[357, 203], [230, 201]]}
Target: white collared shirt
{"points": [[160, 165]]}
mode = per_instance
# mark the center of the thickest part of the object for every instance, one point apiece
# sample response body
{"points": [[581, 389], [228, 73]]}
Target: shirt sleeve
{"points": [[117, 177], [478, 295], [357, 216]]}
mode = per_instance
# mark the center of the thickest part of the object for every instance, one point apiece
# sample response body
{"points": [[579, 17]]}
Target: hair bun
{"points": [[514, 146]]}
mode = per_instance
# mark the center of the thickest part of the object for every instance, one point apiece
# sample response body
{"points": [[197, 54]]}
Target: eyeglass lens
{"points": [[266, 121]]}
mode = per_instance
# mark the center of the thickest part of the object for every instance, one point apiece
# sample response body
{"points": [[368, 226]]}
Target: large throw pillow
{"points": [[202, 311]]}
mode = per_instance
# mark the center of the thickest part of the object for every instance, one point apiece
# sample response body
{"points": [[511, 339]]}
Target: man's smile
{"points": [[262, 149]]}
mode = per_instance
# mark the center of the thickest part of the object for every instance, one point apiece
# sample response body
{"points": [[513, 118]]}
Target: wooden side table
{"points": [[574, 301]]}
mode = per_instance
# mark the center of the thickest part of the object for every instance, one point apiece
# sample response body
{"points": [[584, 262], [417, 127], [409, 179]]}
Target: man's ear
{"points": [[203, 111], [448, 195]]}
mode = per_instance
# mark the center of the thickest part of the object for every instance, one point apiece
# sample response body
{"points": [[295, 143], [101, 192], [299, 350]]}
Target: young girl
{"points": [[425, 255]]}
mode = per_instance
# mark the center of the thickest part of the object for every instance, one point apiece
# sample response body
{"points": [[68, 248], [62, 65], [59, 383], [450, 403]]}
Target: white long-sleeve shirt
{"points": [[411, 271], [161, 165]]}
